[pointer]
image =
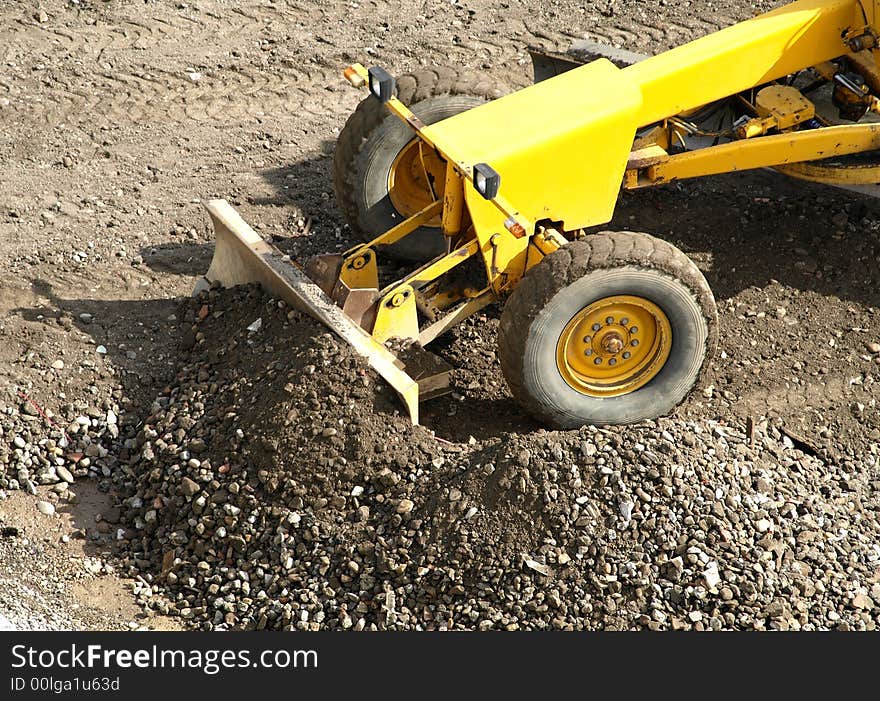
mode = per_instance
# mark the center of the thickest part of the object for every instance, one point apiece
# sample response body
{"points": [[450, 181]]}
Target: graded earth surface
{"points": [[163, 466]]}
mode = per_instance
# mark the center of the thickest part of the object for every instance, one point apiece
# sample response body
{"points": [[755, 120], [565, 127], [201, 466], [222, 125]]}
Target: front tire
{"points": [[612, 329], [369, 146]]}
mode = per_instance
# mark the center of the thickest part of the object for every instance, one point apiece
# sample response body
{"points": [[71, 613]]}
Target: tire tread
{"points": [[607, 249]]}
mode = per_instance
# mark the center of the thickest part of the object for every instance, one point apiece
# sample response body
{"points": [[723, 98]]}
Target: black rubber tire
{"points": [[602, 265], [372, 138]]}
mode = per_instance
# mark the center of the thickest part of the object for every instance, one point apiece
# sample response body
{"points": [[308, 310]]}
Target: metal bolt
{"points": [[634, 329], [598, 361], [596, 327], [612, 343], [609, 320], [635, 342], [588, 339], [624, 321], [613, 361], [588, 352], [627, 355]]}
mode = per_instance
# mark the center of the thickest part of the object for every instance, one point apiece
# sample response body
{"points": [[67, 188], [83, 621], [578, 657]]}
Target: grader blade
{"points": [[241, 256]]}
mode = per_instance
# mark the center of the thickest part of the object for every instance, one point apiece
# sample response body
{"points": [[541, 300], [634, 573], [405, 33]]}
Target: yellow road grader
{"points": [[495, 200]]}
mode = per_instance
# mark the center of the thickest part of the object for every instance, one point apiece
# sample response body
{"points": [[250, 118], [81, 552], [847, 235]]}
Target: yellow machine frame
{"points": [[563, 149], [569, 142]]}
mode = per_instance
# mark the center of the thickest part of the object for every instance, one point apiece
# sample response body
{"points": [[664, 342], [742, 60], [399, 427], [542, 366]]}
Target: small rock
{"points": [[64, 474], [712, 576], [626, 508], [675, 568], [46, 508], [538, 567], [256, 326], [776, 609], [188, 487], [873, 347], [863, 601], [57, 364], [101, 350], [405, 506]]}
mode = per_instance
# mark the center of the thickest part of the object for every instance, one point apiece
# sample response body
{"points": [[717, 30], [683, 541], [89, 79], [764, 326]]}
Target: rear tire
{"points": [[606, 266], [372, 139]]}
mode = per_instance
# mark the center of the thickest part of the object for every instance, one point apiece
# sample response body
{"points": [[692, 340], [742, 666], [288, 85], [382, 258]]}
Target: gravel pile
{"points": [[275, 485], [38, 447]]}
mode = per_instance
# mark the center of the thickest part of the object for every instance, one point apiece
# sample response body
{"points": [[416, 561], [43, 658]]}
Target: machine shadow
{"points": [[747, 230], [141, 338]]}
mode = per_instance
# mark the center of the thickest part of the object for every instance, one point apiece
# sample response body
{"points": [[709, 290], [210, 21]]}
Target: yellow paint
{"points": [[560, 146], [396, 316], [778, 149], [785, 105], [405, 228], [743, 56], [242, 256], [856, 174], [360, 271], [564, 146], [442, 265], [453, 202], [614, 346], [416, 179]]}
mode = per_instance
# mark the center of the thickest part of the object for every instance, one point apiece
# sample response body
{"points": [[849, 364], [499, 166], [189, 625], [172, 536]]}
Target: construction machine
{"points": [[500, 199]]}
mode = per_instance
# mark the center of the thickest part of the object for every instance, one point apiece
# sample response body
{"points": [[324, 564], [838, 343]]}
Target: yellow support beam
{"points": [[766, 151]]}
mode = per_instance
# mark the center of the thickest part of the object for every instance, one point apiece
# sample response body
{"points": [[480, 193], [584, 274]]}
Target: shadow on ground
{"points": [[744, 230]]}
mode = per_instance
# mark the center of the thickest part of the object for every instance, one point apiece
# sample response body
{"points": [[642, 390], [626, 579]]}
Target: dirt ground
{"points": [[117, 118]]}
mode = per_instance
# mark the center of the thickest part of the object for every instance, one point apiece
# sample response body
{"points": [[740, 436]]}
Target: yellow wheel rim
{"points": [[414, 173], [614, 346]]}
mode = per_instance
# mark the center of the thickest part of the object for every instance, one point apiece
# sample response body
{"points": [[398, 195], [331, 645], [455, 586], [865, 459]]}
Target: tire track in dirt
{"points": [[242, 92], [225, 96], [143, 33]]}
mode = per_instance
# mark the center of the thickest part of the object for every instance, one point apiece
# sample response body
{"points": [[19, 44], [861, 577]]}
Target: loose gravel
{"points": [[276, 485]]}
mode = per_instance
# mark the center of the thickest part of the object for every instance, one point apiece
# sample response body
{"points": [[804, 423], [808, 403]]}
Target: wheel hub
{"points": [[416, 176], [614, 346], [612, 343]]}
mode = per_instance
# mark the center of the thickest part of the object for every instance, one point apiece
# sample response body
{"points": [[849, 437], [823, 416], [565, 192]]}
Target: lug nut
{"points": [[634, 329], [609, 320], [635, 342], [624, 322], [613, 361], [627, 355], [588, 339], [598, 361], [588, 352], [596, 327]]}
